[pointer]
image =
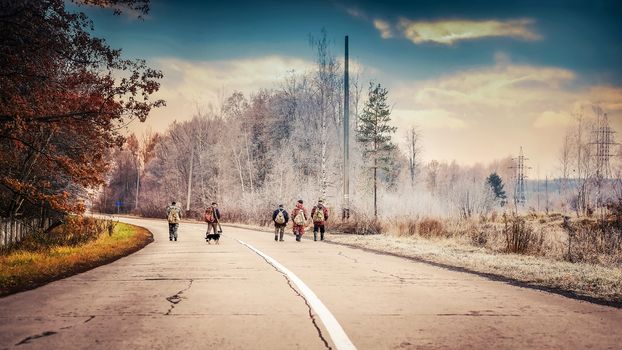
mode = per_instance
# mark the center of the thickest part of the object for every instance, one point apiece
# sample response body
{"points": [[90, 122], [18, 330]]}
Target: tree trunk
{"points": [[238, 163], [249, 163], [190, 178], [137, 182], [375, 188]]}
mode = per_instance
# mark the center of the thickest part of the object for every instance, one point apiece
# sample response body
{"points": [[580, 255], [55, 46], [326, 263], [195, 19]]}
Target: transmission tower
{"points": [[604, 142], [519, 189]]}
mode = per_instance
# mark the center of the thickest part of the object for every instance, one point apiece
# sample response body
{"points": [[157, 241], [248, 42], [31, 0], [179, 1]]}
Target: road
{"points": [[191, 295]]}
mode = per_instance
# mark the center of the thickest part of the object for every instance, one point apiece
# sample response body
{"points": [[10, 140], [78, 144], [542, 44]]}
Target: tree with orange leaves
{"points": [[64, 95]]}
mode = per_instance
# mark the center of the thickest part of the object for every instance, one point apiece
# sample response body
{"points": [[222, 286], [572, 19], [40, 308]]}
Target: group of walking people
{"points": [[211, 217], [280, 217], [300, 218]]}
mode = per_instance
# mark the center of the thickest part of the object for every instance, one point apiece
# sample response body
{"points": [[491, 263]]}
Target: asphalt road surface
{"points": [[251, 292]]}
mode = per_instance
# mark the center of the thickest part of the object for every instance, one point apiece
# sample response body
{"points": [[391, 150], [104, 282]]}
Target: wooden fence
{"points": [[14, 230]]}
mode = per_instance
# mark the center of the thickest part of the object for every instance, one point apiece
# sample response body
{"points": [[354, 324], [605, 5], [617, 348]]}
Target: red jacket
{"points": [[324, 209]]}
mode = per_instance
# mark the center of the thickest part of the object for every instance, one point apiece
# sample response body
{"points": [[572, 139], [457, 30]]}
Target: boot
{"points": [[321, 236], [315, 236], [276, 238], [281, 236]]}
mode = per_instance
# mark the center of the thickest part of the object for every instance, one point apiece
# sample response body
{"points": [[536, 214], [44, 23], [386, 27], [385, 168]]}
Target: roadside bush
{"points": [[360, 225], [74, 230], [614, 207], [429, 227], [596, 242], [406, 226], [519, 236], [478, 236]]}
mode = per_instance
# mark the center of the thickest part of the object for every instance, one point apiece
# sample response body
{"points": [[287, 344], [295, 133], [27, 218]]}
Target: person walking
{"points": [[173, 215], [212, 218], [280, 217], [319, 213], [299, 215]]}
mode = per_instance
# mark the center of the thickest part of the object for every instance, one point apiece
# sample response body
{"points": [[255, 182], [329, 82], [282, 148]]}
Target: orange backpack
{"points": [[209, 214]]}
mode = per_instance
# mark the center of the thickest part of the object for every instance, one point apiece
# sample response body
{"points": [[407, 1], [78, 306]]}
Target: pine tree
{"points": [[375, 134], [496, 184]]}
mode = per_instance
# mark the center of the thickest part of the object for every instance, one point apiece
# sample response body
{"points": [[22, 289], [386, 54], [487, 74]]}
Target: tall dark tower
{"points": [[346, 136]]}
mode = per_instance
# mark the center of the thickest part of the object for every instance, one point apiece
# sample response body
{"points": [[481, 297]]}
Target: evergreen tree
{"points": [[496, 184], [375, 134]]}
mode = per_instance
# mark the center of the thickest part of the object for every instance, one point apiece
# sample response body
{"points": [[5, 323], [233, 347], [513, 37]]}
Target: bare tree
{"points": [[413, 139]]}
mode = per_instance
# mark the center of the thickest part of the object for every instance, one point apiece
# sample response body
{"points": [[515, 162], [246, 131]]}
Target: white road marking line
{"points": [[337, 334]]}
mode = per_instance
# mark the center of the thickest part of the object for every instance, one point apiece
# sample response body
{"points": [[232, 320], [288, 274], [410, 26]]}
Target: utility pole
{"points": [[346, 137]]}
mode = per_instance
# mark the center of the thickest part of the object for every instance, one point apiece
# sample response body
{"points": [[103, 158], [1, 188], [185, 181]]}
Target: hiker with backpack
{"points": [[299, 215], [212, 217], [280, 219], [173, 215], [319, 213]]}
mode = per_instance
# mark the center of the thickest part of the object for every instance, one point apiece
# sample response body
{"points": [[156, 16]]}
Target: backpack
{"points": [[318, 216], [209, 214], [280, 218], [300, 219], [173, 216]]}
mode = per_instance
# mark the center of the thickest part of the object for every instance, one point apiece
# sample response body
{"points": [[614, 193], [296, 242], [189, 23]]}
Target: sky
{"points": [[479, 79]]}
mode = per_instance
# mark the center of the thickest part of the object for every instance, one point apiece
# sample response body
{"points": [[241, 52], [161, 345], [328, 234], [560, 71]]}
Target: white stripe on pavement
{"points": [[337, 334]]}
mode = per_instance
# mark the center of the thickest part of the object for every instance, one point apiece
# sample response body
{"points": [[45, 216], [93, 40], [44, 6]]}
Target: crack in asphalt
{"points": [[176, 298], [401, 279], [478, 314], [36, 336], [311, 315], [48, 333]]}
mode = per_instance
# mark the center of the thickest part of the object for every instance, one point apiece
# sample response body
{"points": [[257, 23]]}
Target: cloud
{"points": [[355, 12], [428, 118], [450, 31], [384, 28], [190, 85], [487, 113], [553, 119]]}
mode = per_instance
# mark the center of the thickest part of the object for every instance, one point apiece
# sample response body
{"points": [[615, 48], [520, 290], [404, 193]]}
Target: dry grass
{"points": [[429, 227], [25, 268]]}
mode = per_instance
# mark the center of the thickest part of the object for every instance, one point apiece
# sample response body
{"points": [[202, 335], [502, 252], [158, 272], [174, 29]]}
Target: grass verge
{"points": [[23, 269], [590, 282]]}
